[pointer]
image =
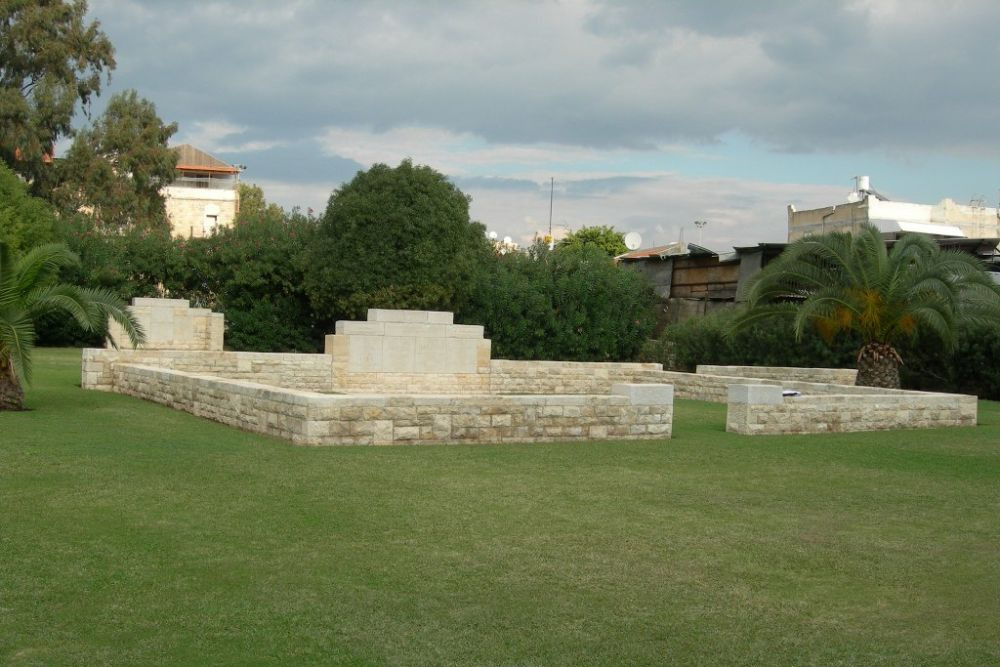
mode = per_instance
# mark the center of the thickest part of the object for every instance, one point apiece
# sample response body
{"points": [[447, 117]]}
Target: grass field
{"points": [[133, 534]]}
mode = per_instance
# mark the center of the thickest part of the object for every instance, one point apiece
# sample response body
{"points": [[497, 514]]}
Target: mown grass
{"points": [[133, 534]]}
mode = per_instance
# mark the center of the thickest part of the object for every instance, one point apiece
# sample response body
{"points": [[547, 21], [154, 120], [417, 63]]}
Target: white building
{"points": [[204, 194], [946, 219]]}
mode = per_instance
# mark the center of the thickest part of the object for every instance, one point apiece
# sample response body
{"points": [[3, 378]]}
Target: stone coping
{"points": [[842, 376]]}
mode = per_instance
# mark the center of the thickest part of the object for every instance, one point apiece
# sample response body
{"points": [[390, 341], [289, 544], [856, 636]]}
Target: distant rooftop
{"points": [[190, 158], [674, 249], [661, 251]]}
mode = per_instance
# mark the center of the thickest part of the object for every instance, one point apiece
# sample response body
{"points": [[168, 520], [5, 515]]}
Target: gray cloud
{"points": [[496, 183], [797, 75], [304, 92]]}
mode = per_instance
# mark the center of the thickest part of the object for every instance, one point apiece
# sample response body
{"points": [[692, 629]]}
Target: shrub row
{"points": [[968, 368]]}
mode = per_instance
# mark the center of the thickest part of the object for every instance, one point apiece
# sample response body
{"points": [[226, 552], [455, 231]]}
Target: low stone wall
{"points": [[783, 373], [451, 391], [567, 377], [563, 377], [715, 388], [762, 410], [634, 412], [313, 372]]}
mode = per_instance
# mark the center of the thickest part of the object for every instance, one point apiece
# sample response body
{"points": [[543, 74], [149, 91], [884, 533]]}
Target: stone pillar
{"points": [[743, 404]]}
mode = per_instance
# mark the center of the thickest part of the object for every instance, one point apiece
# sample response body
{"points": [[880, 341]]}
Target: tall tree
{"points": [[25, 221], [29, 290], [394, 237], [254, 207], [50, 59], [838, 282], [116, 169], [605, 238]]}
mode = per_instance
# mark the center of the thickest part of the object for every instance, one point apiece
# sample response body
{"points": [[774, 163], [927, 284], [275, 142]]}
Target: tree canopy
{"points": [[394, 237], [840, 282], [50, 59], [116, 169], [253, 205], [25, 221], [572, 304], [253, 273], [611, 242]]}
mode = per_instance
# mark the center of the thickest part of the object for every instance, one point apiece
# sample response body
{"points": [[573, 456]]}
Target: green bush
{"points": [[253, 273], [706, 340], [574, 304], [970, 368]]}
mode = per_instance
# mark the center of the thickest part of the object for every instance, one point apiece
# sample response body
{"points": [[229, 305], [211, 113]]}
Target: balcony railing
{"points": [[220, 182]]}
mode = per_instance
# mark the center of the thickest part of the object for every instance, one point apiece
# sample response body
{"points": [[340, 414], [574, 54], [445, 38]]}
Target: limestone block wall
{"points": [[567, 377], [317, 419], [564, 377], [192, 212], [409, 351], [313, 372], [715, 388], [784, 373], [172, 324], [761, 409]]}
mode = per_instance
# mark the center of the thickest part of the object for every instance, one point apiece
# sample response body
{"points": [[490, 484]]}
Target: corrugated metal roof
{"points": [[195, 159], [675, 248]]}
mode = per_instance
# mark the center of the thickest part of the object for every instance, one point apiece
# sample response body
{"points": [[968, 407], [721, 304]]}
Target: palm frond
{"points": [[108, 304], [17, 340], [40, 265]]}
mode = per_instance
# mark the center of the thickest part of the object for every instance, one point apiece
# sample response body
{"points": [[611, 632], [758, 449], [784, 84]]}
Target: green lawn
{"points": [[133, 534]]}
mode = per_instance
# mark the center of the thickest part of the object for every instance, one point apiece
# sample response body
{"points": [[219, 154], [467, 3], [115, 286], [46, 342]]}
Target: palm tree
{"points": [[842, 282], [29, 290]]}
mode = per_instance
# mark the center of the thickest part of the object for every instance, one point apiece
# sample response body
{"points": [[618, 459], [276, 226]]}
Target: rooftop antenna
{"points": [[552, 191]]}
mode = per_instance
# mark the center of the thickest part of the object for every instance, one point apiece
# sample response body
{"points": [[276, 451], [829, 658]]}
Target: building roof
{"points": [[660, 251], [190, 158], [674, 249]]}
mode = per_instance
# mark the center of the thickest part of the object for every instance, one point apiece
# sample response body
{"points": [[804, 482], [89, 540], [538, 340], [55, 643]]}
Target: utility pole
{"points": [[552, 190]]}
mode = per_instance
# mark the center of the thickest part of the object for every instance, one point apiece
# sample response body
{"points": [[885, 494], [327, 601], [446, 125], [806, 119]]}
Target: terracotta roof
{"points": [[195, 159]]}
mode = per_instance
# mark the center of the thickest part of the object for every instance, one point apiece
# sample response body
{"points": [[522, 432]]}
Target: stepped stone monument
{"points": [[172, 324], [409, 350]]}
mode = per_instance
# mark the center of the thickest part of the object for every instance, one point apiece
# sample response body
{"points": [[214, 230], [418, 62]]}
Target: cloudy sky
{"points": [[648, 115]]}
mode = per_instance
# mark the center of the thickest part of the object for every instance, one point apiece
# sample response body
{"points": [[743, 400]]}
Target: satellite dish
{"points": [[507, 240], [633, 240], [492, 236]]}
